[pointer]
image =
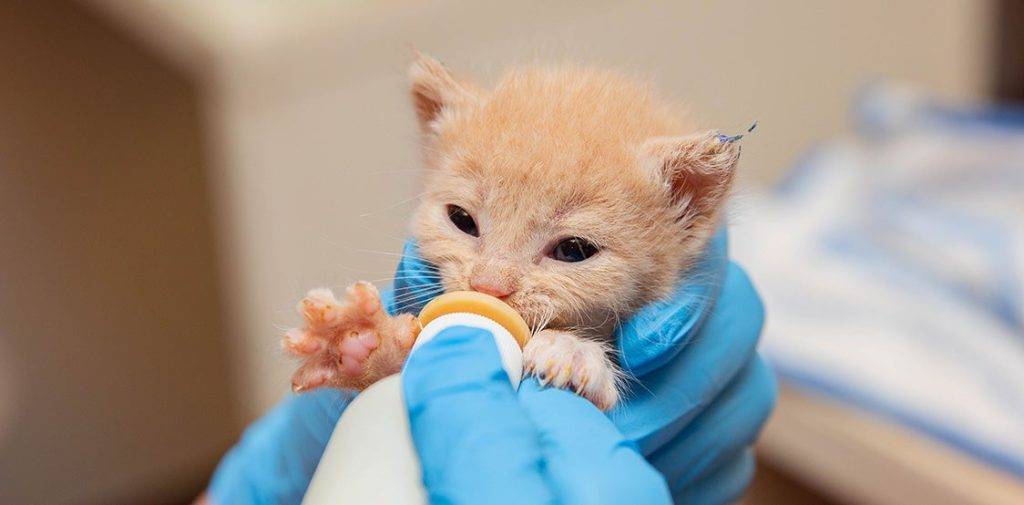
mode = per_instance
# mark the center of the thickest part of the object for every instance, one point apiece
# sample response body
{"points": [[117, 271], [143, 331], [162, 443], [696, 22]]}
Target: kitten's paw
{"points": [[564, 360], [365, 298], [348, 344], [320, 309]]}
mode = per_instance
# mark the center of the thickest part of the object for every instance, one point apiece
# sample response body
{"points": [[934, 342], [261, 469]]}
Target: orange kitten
{"points": [[573, 194]]}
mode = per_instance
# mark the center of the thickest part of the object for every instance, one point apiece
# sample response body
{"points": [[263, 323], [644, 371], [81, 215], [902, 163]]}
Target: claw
{"points": [[366, 297], [564, 360], [320, 308], [582, 384], [300, 342]]}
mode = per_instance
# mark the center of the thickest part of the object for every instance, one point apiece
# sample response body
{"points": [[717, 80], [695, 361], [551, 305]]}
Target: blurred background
{"points": [[175, 175]]}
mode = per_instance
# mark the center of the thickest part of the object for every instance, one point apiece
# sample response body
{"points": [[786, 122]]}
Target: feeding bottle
{"points": [[370, 457]]}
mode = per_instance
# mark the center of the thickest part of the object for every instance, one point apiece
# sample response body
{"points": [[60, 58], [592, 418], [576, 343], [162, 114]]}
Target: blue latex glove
{"points": [[703, 391], [701, 397], [480, 441]]}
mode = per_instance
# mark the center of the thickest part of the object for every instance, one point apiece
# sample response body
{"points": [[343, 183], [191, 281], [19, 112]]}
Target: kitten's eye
{"points": [[462, 220], [574, 249]]}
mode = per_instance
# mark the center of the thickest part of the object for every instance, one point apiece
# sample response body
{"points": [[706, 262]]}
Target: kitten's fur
{"points": [[549, 153]]}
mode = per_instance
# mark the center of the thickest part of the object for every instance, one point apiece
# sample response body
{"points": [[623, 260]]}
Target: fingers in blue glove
{"points": [[723, 485], [656, 333], [275, 459], [676, 393], [588, 459], [711, 439], [479, 441], [469, 430]]}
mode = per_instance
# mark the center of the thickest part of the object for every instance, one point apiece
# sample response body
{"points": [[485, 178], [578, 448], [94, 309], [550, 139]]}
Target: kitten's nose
{"points": [[494, 277], [490, 287]]}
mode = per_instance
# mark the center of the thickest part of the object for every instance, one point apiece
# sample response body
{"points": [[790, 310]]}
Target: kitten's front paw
{"points": [[348, 344], [564, 360]]}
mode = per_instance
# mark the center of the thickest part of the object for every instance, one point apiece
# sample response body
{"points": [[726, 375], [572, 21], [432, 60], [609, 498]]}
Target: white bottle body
{"points": [[370, 458]]}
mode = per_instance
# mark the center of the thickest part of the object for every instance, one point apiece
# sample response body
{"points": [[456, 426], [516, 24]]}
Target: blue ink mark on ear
{"points": [[733, 138]]}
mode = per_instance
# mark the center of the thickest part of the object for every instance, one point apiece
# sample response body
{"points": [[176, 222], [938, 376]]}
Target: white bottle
{"points": [[370, 458]]}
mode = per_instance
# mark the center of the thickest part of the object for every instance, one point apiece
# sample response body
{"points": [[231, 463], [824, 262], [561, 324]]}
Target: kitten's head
{"points": [[572, 194]]}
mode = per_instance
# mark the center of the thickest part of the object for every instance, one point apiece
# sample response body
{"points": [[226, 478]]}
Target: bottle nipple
{"points": [[481, 304]]}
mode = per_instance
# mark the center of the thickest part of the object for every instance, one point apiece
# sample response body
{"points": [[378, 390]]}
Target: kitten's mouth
{"points": [[538, 313], [536, 316]]}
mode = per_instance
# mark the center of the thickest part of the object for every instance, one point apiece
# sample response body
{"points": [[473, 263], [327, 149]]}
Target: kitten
{"points": [[572, 194]]}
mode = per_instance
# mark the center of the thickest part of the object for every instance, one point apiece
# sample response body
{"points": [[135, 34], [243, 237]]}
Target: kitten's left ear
{"points": [[696, 169], [435, 90]]}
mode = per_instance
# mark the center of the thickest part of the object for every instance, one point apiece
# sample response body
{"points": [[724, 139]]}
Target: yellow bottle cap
{"points": [[482, 304]]}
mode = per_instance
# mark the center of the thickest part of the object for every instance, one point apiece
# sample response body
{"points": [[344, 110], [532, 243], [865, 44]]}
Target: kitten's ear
{"points": [[435, 90], [697, 170]]}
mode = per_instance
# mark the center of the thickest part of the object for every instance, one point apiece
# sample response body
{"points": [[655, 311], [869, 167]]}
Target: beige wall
{"points": [[314, 129], [112, 358]]}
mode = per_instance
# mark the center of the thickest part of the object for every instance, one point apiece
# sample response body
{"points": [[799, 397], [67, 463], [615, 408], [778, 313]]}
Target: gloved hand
{"points": [[700, 396], [480, 441], [702, 393]]}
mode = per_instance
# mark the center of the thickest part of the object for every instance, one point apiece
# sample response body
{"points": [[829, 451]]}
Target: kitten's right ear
{"points": [[435, 92]]}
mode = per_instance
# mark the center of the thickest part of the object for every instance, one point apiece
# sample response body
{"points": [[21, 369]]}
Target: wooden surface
{"points": [[859, 458]]}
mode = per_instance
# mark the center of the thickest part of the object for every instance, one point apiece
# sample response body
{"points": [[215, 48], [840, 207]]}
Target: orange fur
{"points": [[548, 154], [557, 152]]}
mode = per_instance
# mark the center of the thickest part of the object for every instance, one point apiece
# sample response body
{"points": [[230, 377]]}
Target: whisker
{"points": [[354, 270], [403, 304], [417, 289], [427, 273], [422, 293], [408, 290], [542, 322], [390, 207], [388, 283], [377, 231], [371, 251], [405, 277]]}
